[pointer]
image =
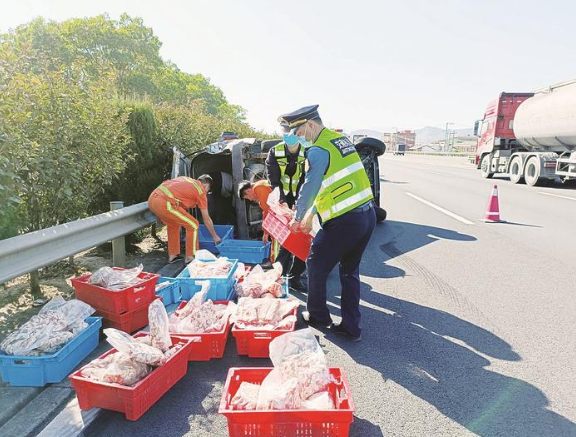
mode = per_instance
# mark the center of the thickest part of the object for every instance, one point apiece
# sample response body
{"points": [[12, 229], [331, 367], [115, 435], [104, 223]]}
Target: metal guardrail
{"points": [[25, 253]]}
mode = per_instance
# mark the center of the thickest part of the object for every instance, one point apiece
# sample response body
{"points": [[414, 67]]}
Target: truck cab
{"points": [[495, 131]]}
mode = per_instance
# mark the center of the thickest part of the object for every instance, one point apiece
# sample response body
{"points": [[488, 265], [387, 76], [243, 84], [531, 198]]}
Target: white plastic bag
{"points": [[138, 351], [277, 393], [116, 280], [246, 398], [319, 401], [158, 321], [197, 300], [298, 355], [46, 332], [116, 368], [278, 208], [205, 255]]}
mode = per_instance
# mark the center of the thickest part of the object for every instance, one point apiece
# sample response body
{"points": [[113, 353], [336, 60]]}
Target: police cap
{"points": [[291, 121]]}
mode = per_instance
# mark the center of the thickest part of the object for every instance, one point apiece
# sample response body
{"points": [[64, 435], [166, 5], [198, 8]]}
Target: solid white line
{"points": [[556, 195], [442, 210]]}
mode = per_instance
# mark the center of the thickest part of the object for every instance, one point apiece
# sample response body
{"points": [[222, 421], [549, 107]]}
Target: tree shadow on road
{"points": [[411, 236], [438, 357], [442, 359]]}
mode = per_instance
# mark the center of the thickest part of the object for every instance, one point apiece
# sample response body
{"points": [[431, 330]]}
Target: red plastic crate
{"points": [[256, 343], [120, 301], [210, 345], [287, 423], [136, 400], [128, 322], [296, 243]]}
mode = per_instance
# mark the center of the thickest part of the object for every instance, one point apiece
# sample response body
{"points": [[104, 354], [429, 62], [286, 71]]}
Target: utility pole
{"points": [[446, 136]]}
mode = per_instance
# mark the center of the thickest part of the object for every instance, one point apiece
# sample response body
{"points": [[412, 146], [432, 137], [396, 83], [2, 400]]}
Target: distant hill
{"points": [[430, 134], [368, 132], [425, 135]]}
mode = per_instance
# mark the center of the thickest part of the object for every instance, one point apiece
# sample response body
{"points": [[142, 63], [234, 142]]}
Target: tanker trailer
{"points": [[530, 137]]}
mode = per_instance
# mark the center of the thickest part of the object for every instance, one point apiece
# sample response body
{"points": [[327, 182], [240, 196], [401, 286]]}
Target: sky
{"points": [[378, 64]]}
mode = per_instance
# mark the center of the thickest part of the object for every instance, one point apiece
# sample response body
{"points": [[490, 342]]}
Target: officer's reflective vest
{"points": [[345, 185], [289, 183]]}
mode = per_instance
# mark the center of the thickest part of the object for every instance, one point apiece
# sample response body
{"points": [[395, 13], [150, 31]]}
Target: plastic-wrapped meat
{"points": [[258, 282], [309, 369], [46, 332], [209, 269], [116, 280], [246, 397], [319, 401], [208, 317], [277, 393], [158, 320], [116, 368], [264, 313], [136, 350], [172, 351]]}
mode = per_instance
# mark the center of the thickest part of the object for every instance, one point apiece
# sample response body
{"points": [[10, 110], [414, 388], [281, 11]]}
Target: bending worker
{"points": [[285, 170], [170, 202], [337, 189], [259, 192]]}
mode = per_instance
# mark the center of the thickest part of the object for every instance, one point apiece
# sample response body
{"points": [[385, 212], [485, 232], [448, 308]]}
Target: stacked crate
{"points": [[126, 309]]}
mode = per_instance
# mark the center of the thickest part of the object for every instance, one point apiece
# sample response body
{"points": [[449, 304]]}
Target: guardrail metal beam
{"points": [[24, 253]]}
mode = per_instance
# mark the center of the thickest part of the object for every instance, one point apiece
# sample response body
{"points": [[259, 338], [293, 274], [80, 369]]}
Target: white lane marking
{"points": [[442, 210], [556, 195]]}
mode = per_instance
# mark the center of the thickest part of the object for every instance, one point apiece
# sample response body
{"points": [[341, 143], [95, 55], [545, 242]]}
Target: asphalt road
{"points": [[469, 328]]}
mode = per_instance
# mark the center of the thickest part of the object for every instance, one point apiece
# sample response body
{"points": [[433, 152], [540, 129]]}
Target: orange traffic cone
{"points": [[493, 210]]}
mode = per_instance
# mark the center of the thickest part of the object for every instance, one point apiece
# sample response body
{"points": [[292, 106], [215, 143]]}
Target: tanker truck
{"points": [[530, 137]]}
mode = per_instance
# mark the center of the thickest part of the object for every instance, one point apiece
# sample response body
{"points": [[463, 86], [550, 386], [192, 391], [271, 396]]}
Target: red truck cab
{"points": [[496, 130]]}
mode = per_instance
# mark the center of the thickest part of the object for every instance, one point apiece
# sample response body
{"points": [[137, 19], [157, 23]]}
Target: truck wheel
{"points": [[516, 171], [532, 172], [380, 214], [485, 167]]}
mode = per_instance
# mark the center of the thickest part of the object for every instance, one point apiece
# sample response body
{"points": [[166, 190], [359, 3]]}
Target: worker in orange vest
{"points": [[259, 192], [171, 201]]}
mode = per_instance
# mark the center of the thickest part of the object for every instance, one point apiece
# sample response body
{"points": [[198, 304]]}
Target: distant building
{"points": [[406, 137]]}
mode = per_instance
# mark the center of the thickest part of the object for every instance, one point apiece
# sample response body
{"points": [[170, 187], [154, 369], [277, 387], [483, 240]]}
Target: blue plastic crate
{"points": [[246, 251], [22, 371], [171, 293], [207, 242], [219, 287]]}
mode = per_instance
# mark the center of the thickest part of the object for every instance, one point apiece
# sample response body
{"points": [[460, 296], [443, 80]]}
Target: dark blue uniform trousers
{"points": [[341, 240]]}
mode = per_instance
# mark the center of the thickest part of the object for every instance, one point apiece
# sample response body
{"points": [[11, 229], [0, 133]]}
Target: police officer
{"points": [[337, 189], [285, 171]]}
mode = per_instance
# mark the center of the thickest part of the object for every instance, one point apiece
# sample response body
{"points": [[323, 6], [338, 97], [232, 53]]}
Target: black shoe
{"points": [[309, 320], [298, 285], [339, 329], [176, 259]]}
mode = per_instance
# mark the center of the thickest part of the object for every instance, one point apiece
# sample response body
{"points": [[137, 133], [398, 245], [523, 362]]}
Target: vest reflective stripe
{"points": [[166, 191], [345, 185], [193, 182], [352, 200], [289, 183], [357, 166]]}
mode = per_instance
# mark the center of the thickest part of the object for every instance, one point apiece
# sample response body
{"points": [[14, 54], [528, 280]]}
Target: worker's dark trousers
{"points": [[341, 240], [291, 265]]}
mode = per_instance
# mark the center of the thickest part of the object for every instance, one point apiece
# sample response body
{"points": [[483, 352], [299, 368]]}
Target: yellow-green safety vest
{"points": [[345, 185], [289, 183]]}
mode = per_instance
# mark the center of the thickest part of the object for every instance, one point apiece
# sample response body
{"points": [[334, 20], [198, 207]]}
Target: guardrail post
{"points": [[118, 244]]}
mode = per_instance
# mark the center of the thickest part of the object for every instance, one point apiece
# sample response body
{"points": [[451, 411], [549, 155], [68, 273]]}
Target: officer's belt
{"points": [[363, 208]]}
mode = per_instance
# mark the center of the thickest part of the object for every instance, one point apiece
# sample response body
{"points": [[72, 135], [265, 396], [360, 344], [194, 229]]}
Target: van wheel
{"points": [[516, 171], [485, 167], [532, 172]]}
